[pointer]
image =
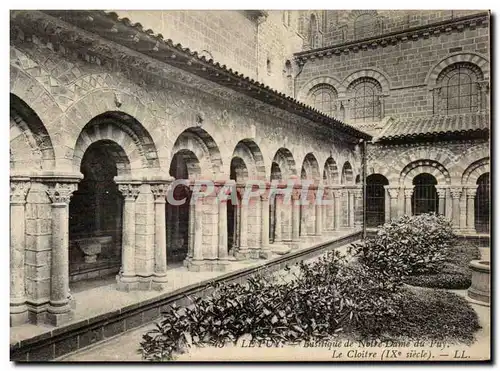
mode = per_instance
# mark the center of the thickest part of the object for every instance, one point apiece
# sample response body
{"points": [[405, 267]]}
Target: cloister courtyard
{"points": [[147, 171]]}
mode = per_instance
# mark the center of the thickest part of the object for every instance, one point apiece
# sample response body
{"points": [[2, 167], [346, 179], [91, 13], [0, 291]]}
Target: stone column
{"points": [[318, 200], [358, 207], [351, 207], [222, 251], [408, 194], [59, 310], [295, 217], [337, 208], [455, 195], [441, 192], [243, 213], [19, 188], [192, 217], [265, 252], [278, 199], [471, 195], [393, 193], [160, 271], [127, 279]]}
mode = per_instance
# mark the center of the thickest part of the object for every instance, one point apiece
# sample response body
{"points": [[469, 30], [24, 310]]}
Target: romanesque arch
{"points": [[330, 172], [199, 153], [30, 144], [372, 73], [310, 168], [124, 139], [474, 58], [250, 154], [321, 80], [347, 174], [418, 167], [283, 162], [475, 170]]}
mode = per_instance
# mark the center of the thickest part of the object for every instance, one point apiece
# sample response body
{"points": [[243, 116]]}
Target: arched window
{"points": [[482, 204], [366, 105], [323, 97], [459, 91], [375, 200], [269, 66], [424, 198], [313, 27]]}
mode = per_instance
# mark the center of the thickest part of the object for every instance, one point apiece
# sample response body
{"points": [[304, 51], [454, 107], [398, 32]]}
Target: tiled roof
{"points": [[132, 35], [438, 125]]}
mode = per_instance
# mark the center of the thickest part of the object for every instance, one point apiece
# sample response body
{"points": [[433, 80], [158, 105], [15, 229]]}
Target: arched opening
{"points": [[375, 200], [482, 204], [309, 172], [424, 197], [177, 215], [347, 174], [275, 176], [95, 214], [313, 26], [238, 173]]}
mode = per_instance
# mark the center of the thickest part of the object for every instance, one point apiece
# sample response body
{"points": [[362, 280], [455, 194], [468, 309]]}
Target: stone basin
{"points": [[92, 246], [479, 291]]}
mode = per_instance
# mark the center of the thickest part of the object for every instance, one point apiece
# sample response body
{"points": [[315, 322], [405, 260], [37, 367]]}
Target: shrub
{"points": [[325, 297], [407, 246], [433, 315], [452, 281]]}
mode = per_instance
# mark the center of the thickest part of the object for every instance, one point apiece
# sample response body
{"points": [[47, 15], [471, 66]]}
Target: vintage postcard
{"points": [[250, 185]]}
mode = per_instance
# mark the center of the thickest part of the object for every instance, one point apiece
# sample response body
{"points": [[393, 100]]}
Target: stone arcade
{"points": [[98, 134]]}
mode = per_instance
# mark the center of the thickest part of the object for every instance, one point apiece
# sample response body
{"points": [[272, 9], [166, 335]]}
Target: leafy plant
{"points": [[407, 246]]}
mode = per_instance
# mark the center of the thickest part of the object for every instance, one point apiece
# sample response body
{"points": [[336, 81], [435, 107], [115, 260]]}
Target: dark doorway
{"points": [[482, 204], [424, 198], [375, 200]]}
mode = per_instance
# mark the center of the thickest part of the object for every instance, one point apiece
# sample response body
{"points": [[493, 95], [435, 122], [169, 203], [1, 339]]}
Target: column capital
{"points": [[59, 192], [264, 197], [471, 190], [159, 190], [130, 191], [456, 192], [392, 190], [19, 188], [408, 192], [441, 190]]}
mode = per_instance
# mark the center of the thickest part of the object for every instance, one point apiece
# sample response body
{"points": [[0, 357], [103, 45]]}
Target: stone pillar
{"points": [[278, 200], [160, 267], [358, 207], [337, 209], [243, 252], [393, 193], [318, 206], [455, 195], [19, 188], [222, 251], [265, 252], [59, 310], [192, 217], [295, 217], [408, 194], [351, 207], [196, 262], [471, 196], [387, 206], [127, 279], [441, 192]]}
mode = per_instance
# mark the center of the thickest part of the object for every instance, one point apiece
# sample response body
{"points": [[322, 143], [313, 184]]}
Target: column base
{"points": [[242, 254], [159, 283], [19, 318], [202, 265], [265, 252], [222, 265], [280, 249], [59, 315], [126, 283]]}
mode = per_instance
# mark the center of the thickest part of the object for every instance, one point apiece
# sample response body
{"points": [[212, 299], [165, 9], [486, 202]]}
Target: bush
{"points": [[407, 246], [452, 281], [454, 273], [433, 315], [325, 297]]}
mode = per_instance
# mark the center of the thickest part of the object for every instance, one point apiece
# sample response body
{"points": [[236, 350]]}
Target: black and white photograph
{"points": [[231, 185]]}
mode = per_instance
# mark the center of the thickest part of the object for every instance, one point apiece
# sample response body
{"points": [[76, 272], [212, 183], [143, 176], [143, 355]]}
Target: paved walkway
{"points": [[125, 346]]}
